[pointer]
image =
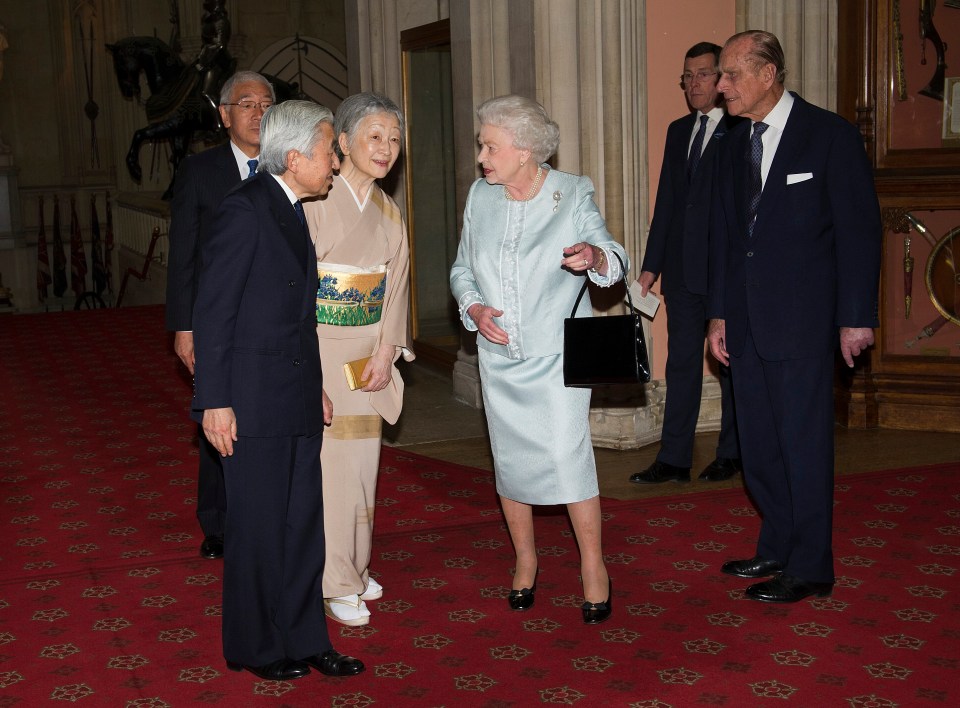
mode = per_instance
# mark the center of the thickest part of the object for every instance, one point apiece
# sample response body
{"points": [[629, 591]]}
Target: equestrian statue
{"points": [[183, 100]]}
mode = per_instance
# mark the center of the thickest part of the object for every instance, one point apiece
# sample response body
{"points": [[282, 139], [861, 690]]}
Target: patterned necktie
{"points": [[298, 207], [696, 149], [252, 164], [756, 180]]}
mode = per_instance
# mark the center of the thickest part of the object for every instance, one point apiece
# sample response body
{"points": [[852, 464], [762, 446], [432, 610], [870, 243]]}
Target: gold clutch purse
{"points": [[353, 370]]}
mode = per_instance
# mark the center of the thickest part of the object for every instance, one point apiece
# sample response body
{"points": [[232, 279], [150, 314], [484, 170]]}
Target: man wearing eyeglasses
{"points": [[677, 252], [201, 183]]}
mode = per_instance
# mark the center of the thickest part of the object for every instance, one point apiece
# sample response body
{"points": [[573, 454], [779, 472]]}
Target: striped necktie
{"points": [[696, 150]]}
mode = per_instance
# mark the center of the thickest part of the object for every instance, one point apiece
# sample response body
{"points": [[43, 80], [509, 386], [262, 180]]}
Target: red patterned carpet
{"points": [[103, 601]]}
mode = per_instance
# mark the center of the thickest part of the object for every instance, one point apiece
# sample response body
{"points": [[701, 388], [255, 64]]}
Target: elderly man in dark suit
{"points": [[201, 183], [259, 395], [677, 250], [795, 239]]}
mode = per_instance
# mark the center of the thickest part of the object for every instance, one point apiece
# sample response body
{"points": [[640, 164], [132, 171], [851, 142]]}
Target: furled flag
{"points": [[78, 258], [96, 248], [108, 246], [43, 260], [59, 257]]}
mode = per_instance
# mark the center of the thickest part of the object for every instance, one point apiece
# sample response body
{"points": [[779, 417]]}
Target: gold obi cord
{"points": [[350, 297]]}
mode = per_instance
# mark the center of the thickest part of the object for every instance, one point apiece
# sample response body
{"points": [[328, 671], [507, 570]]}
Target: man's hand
{"points": [[183, 347], [854, 340], [483, 317], [220, 428], [646, 281], [327, 408], [717, 336]]}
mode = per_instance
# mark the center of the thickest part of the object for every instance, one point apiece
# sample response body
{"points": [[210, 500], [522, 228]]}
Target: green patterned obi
{"points": [[348, 296]]}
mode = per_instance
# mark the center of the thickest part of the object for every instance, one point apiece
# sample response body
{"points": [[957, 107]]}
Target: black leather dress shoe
{"points": [[787, 588], [279, 670], [661, 472], [755, 567], [720, 469], [333, 663], [597, 612], [212, 547]]}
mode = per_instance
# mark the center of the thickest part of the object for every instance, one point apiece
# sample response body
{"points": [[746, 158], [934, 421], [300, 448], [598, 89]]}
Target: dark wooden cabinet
{"points": [[911, 379]]}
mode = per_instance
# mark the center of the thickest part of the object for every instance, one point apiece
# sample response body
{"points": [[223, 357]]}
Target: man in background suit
{"points": [[677, 249], [201, 183], [795, 266], [259, 395]]}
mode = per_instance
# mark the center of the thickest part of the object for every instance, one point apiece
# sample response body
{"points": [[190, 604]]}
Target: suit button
{"points": [[292, 283], [749, 254], [296, 362]]}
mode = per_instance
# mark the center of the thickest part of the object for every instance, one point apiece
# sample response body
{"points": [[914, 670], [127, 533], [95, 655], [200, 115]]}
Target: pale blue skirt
{"points": [[539, 430]]}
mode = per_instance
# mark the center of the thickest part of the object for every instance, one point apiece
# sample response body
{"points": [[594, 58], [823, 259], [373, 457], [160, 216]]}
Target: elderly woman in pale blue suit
{"points": [[530, 236]]}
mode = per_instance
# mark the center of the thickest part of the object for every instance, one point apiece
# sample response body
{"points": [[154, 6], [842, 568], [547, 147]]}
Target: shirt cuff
{"points": [[614, 272], [466, 301]]}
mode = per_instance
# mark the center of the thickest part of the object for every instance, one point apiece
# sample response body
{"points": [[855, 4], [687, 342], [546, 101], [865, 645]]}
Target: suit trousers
{"points": [[273, 561], [211, 492], [686, 328], [785, 418]]}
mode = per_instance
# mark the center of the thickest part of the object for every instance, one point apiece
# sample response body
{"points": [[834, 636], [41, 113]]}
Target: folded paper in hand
{"points": [[353, 370], [647, 304]]}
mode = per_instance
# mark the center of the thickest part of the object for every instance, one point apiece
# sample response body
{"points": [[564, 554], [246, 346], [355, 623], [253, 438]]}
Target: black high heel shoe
{"points": [[520, 600], [597, 612]]}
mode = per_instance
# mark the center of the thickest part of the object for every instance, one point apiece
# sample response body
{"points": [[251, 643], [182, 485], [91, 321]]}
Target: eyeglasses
{"points": [[247, 106], [687, 79]]}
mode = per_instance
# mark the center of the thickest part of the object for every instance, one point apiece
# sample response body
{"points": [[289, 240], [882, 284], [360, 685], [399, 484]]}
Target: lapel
{"points": [[739, 141], [293, 232], [227, 171], [683, 145], [793, 142], [727, 123], [714, 143]]}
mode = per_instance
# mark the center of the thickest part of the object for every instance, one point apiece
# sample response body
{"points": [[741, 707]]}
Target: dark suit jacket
{"points": [[677, 245], [813, 262], [202, 181], [254, 323]]}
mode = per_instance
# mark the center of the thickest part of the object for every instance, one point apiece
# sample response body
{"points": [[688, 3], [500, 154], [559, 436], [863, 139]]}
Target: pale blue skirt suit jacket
{"points": [[509, 258]]}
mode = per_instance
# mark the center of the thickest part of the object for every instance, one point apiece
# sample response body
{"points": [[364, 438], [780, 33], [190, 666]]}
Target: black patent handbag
{"points": [[604, 351]]}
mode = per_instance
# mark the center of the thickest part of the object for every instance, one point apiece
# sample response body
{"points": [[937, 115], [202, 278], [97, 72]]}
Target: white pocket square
{"points": [[799, 177]]}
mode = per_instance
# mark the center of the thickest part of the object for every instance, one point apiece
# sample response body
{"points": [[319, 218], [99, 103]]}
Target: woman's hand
{"points": [[379, 370], [582, 256], [483, 318]]}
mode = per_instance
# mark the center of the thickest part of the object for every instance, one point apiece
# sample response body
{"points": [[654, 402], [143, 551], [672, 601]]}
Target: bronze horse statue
{"points": [[178, 110]]}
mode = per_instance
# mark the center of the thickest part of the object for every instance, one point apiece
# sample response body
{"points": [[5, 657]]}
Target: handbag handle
{"points": [[623, 277]]}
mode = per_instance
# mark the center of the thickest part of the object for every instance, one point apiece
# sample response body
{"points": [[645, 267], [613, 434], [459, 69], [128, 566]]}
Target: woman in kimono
{"points": [[530, 236], [363, 263]]}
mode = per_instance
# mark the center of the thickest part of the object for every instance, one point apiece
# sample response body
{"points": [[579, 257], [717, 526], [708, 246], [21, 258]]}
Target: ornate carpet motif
{"points": [[103, 601]]}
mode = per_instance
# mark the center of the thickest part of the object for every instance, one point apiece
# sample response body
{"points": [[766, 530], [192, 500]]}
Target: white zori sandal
{"points": [[374, 590], [349, 610]]}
